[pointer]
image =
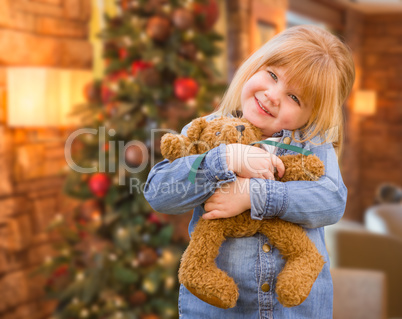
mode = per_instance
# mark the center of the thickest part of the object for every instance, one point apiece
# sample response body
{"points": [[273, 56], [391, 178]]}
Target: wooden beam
{"points": [[321, 11]]}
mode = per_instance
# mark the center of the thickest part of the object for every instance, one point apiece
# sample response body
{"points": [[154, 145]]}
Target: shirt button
{"points": [[266, 248], [287, 140], [265, 287]]}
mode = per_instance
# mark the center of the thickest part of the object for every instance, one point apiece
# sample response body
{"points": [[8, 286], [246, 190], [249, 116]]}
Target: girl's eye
{"points": [[276, 78], [295, 99], [273, 75]]}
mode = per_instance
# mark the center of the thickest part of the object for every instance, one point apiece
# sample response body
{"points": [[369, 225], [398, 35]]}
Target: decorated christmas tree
{"points": [[115, 257]]}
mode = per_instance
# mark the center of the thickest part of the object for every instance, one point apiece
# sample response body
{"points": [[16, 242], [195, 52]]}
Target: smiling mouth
{"points": [[263, 108]]}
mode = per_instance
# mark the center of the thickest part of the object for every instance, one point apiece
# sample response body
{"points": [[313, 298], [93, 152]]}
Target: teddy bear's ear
{"points": [[196, 128]]}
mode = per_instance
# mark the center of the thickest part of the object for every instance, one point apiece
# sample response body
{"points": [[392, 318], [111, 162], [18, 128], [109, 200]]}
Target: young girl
{"points": [[293, 89]]}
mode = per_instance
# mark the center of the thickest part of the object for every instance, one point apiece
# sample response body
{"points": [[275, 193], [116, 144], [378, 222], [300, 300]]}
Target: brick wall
{"points": [[381, 134], [351, 154], [374, 153], [34, 33], [241, 20]]}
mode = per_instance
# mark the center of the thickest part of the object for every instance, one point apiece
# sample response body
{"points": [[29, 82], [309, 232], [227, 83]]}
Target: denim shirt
{"points": [[311, 204]]}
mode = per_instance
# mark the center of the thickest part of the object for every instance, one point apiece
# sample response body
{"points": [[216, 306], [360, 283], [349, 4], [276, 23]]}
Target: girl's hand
{"points": [[230, 200], [252, 162]]}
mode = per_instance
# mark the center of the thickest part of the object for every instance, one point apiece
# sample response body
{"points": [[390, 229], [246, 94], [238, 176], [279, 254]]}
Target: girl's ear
{"points": [[196, 128]]}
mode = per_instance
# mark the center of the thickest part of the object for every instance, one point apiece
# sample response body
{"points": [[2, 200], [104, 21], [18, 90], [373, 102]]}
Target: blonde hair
{"points": [[318, 63]]}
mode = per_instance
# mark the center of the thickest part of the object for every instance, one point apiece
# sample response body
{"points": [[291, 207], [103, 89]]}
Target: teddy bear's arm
{"points": [[174, 146], [301, 168]]}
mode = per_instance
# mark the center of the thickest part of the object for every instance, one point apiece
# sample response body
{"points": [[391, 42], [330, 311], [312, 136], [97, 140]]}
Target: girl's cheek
{"points": [[288, 118]]}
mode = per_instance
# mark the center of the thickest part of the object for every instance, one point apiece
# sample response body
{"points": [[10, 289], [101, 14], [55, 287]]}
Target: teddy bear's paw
{"points": [[297, 278], [291, 296], [174, 146], [216, 288]]}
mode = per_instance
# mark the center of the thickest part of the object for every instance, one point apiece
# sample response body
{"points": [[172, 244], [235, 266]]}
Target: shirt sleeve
{"points": [[311, 204], [168, 189]]}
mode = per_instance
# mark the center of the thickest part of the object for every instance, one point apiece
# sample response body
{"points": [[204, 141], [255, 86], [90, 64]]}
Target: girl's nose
{"points": [[272, 98]]}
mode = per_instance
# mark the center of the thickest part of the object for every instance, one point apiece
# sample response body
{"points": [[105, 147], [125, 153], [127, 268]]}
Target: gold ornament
{"points": [[167, 8], [167, 258], [149, 286], [189, 34], [122, 232], [169, 283]]}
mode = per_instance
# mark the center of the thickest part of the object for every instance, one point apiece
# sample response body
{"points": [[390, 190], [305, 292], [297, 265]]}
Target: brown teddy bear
{"points": [[198, 271]]}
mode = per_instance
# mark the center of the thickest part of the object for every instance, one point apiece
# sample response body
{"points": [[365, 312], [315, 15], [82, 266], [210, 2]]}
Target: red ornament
{"points": [[60, 271], [91, 92], [158, 28], [185, 88], [147, 256], [208, 13], [138, 298], [106, 94], [58, 279], [123, 53], [111, 109], [139, 66], [83, 234], [117, 76], [99, 184], [188, 50], [134, 155], [183, 19], [125, 4], [154, 219]]}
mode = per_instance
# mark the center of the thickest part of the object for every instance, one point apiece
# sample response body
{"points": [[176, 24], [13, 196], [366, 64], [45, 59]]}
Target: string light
{"points": [[48, 260], [189, 34], [79, 276], [143, 36], [84, 313], [169, 283], [135, 263], [95, 308], [200, 56], [122, 232], [191, 103], [65, 252]]}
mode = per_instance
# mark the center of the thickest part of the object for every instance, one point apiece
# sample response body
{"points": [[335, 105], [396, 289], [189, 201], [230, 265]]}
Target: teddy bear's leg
{"points": [[198, 271], [303, 261]]}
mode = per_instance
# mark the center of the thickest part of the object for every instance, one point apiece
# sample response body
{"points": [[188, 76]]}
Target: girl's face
{"points": [[269, 104]]}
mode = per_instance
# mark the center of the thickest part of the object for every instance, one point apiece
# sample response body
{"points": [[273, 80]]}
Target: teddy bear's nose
{"points": [[240, 128]]}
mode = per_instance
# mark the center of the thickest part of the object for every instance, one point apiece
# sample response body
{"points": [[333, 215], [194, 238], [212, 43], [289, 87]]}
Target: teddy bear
{"points": [[198, 271]]}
